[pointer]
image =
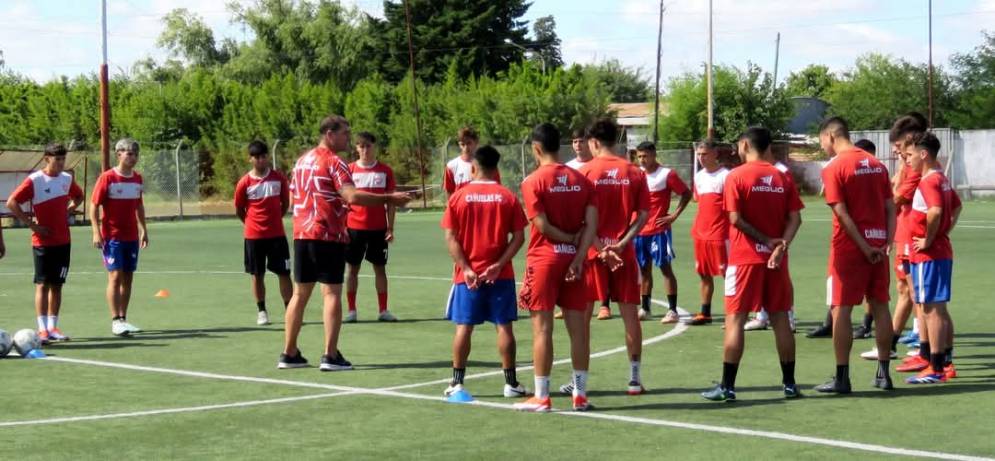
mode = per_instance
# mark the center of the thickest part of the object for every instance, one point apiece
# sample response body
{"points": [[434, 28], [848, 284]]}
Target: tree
{"points": [[975, 86], [546, 43], [813, 81], [624, 84], [186, 36], [470, 33]]}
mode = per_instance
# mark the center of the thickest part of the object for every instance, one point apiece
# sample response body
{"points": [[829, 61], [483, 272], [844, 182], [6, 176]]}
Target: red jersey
{"points": [[661, 183], [934, 191], [620, 190], [907, 190], [712, 221], [319, 210], [263, 200], [859, 181], [378, 179], [458, 173], [482, 214], [562, 194], [120, 196], [763, 197], [49, 197]]}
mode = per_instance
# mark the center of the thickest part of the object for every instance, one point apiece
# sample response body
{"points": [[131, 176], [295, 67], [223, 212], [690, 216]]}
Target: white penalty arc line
{"points": [[343, 390]]}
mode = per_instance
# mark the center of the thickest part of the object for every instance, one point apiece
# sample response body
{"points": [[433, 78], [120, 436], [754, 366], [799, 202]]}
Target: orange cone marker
{"points": [[164, 293]]}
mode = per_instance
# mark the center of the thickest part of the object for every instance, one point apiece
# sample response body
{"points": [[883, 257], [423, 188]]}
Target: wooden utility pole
{"points": [[656, 98], [708, 78], [929, 89], [105, 107], [777, 55], [414, 94]]}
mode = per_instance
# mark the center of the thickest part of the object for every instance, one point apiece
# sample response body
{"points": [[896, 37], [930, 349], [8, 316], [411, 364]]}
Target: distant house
{"points": [[636, 120]]}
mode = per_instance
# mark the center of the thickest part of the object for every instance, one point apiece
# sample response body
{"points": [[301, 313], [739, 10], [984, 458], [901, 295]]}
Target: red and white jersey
{"points": [[576, 163], [482, 214], [860, 181], [49, 197], [661, 183], [263, 200], [119, 196], [379, 179], [934, 191], [458, 173], [907, 190], [763, 197], [712, 221], [620, 191], [319, 210], [563, 195]]}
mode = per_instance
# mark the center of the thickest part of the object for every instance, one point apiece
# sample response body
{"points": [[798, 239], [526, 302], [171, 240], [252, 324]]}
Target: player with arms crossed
{"points": [[120, 230], [262, 198], [710, 230], [764, 218], [559, 201], [478, 221]]}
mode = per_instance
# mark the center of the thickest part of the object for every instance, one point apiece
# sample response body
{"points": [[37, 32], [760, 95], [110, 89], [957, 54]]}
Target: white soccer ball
{"points": [[25, 341], [5, 344]]}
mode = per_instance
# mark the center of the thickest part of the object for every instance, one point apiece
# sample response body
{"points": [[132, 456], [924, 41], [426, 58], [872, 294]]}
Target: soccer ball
{"points": [[5, 344], [25, 341]]}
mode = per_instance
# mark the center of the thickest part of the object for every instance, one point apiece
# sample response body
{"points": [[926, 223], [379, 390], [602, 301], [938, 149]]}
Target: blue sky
{"points": [[46, 38]]}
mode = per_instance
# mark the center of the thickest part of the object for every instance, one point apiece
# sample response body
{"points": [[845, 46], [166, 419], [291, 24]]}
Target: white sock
{"points": [[53, 321], [41, 323], [580, 383], [915, 326], [762, 315], [634, 371], [542, 387]]}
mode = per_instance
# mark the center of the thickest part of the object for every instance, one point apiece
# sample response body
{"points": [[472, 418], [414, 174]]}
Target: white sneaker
{"points": [[645, 314], [386, 316], [756, 324], [670, 317], [452, 389], [567, 388], [118, 329], [873, 355], [131, 328], [350, 317], [516, 392], [912, 353], [262, 318]]}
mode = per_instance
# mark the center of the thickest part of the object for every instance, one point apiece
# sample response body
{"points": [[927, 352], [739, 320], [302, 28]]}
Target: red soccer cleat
{"points": [[913, 364], [949, 371]]}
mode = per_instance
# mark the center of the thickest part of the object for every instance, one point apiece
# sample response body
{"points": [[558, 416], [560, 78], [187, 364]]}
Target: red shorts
{"points": [[752, 286], [711, 257], [544, 286], [620, 286], [852, 278]]}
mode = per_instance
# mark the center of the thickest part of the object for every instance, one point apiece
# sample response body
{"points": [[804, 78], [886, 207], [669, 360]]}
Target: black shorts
{"points": [[272, 253], [371, 244], [51, 264], [319, 261]]}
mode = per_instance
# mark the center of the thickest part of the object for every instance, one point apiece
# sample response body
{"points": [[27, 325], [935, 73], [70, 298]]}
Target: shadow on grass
{"points": [[440, 364], [74, 345], [375, 321]]}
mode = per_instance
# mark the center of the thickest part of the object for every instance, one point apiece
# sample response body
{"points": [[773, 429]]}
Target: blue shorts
{"points": [[494, 303], [656, 248], [121, 256], [931, 281]]}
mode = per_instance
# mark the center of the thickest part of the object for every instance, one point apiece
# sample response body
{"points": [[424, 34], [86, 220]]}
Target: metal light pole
{"points": [[105, 108], [929, 90], [708, 77], [656, 95]]}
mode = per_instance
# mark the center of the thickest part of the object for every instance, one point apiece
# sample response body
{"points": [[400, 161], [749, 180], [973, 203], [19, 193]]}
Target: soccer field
{"points": [[202, 382]]}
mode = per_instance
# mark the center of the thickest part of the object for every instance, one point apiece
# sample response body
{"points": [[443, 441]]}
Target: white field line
{"points": [[594, 415], [169, 411]]}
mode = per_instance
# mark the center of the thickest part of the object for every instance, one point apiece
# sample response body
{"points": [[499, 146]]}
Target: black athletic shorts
{"points": [[319, 261], [371, 244], [51, 264], [272, 253]]}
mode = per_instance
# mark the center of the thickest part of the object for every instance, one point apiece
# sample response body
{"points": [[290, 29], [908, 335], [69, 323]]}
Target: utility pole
{"points": [[929, 90], [105, 108], [777, 55], [414, 94], [708, 78], [656, 94]]}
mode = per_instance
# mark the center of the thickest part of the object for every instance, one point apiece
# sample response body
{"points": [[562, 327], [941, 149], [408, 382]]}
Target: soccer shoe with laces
{"points": [[635, 388], [834, 386], [720, 394], [131, 328], [873, 355], [337, 363], [791, 391], [909, 338], [927, 376], [756, 324], [883, 382], [518, 391], [581, 404], [949, 371], [386, 316], [700, 319], [913, 364], [567, 389], [43, 337], [452, 389], [118, 329], [821, 331], [862, 332], [645, 314], [262, 318], [535, 404], [350, 317], [287, 361], [55, 335], [670, 317], [604, 313]]}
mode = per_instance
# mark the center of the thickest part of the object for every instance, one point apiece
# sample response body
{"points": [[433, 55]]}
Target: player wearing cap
{"points": [[53, 196], [459, 171], [710, 230], [118, 220]]}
